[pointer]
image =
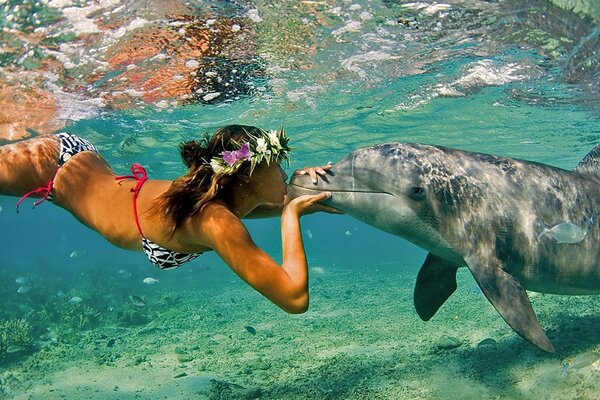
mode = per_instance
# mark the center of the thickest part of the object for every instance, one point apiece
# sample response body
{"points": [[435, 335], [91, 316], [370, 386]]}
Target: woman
{"points": [[234, 174]]}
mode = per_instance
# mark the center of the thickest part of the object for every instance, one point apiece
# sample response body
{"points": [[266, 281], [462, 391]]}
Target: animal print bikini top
{"points": [[159, 256]]}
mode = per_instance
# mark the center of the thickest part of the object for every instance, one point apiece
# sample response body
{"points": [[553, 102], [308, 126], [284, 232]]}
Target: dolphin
{"points": [[479, 211]]}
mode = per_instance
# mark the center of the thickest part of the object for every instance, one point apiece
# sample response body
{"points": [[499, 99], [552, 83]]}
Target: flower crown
{"points": [[269, 146]]}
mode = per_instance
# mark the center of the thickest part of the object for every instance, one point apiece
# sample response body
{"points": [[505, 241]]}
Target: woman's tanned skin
{"points": [[86, 187]]}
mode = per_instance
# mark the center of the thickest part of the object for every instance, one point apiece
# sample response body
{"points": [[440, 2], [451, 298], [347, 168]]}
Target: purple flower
{"points": [[243, 153], [229, 157]]}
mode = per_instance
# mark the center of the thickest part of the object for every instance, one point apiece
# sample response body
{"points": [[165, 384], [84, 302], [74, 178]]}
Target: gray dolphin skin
{"points": [[479, 211]]}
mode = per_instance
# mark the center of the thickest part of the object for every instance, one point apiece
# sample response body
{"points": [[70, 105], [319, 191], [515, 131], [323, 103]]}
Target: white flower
{"points": [[261, 146], [216, 166], [274, 139]]}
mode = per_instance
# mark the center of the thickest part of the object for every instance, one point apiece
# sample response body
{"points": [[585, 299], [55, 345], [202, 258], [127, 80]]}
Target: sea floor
{"points": [[361, 339]]}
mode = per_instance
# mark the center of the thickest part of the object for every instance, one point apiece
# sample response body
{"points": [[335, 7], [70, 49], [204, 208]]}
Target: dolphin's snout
{"points": [[302, 184], [305, 181]]}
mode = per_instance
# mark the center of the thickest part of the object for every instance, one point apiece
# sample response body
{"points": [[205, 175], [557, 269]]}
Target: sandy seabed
{"points": [[361, 339]]}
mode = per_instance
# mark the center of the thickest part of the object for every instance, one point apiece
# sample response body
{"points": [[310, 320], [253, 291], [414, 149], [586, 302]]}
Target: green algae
{"points": [[15, 332]]}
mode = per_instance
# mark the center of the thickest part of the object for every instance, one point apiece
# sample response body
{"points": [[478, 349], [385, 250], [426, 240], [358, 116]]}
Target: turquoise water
{"points": [[514, 78]]}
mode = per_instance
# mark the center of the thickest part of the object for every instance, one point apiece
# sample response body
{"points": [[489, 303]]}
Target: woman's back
{"points": [[86, 187]]}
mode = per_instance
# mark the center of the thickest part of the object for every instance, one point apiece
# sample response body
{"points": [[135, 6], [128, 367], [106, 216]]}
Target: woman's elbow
{"points": [[297, 305]]}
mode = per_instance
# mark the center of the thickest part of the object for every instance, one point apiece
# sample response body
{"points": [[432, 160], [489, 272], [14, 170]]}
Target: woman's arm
{"points": [[285, 285]]}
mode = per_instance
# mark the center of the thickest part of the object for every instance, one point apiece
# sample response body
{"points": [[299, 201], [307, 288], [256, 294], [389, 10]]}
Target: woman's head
{"points": [[234, 148], [215, 162]]}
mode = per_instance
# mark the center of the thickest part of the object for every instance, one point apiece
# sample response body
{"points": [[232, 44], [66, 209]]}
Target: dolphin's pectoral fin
{"points": [[510, 300], [435, 283]]}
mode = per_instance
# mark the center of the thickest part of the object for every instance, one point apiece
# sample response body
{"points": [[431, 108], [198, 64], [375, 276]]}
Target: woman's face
{"points": [[269, 182]]}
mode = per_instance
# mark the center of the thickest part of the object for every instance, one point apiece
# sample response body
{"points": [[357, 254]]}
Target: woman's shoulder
{"points": [[215, 221], [199, 232], [213, 215], [221, 230]]}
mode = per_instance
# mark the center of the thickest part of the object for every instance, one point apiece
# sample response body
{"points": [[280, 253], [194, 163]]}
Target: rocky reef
{"points": [[15, 332]]}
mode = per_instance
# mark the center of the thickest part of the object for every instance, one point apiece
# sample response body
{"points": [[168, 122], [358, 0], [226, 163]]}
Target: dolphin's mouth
{"points": [[313, 189]]}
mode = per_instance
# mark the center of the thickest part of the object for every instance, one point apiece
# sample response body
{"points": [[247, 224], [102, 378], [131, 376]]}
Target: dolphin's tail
{"points": [[546, 230]]}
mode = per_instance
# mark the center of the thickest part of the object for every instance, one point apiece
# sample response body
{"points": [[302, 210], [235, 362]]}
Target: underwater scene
{"points": [[83, 319]]}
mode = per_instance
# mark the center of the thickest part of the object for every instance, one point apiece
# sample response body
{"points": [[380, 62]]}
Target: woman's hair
{"points": [[188, 193]]}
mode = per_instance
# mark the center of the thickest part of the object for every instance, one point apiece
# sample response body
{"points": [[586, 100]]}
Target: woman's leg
{"points": [[27, 165]]}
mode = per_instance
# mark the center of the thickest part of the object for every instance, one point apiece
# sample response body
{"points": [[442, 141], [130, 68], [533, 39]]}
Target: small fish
{"points": [[24, 289], [309, 234], [317, 270], [124, 273], [75, 300], [52, 335], [348, 233], [567, 232], [60, 294], [137, 300], [24, 308], [0, 208], [21, 280], [220, 338], [487, 342], [448, 343], [314, 3], [77, 253], [581, 361], [13, 348], [150, 281], [250, 329]]}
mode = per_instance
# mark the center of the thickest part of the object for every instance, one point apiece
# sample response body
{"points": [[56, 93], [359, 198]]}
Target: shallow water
{"points": [[514, 78]]}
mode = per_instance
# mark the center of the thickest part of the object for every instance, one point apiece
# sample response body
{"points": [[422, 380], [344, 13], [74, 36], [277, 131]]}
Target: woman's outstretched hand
{"points": [[311, 203], [313, 172]]}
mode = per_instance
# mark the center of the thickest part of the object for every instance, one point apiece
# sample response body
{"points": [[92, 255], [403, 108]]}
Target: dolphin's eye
{"points": [[417, 191]]}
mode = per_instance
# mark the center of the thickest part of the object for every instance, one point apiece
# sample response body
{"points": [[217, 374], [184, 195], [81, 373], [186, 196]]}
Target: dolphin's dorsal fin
{"points": [[590, 163], [435, 283], [508, 298]]}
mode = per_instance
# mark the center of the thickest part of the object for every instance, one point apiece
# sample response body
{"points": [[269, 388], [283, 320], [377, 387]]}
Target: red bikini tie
{"points": [[43, 191], [139, 174]]}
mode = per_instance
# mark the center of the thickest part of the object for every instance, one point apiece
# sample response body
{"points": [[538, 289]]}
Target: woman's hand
{"points": [[308, 204], [314, 171]]}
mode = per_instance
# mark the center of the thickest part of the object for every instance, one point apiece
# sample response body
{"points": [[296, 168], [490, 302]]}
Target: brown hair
{"points": [[188, 193]]}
